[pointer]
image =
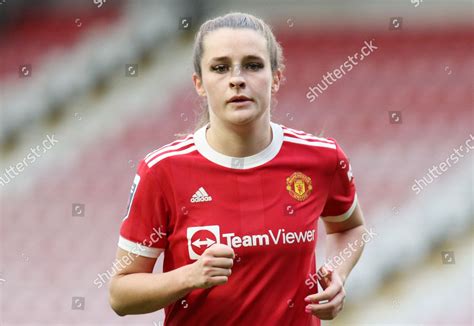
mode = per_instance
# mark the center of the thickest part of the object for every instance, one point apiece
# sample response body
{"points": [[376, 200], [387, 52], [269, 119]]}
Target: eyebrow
{"points": [[246, 58]]}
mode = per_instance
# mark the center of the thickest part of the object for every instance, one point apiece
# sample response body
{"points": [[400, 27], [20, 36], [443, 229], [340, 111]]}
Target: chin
{"points": [[242, 118]]}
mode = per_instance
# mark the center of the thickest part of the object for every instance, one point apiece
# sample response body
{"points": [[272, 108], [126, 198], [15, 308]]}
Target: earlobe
{"points": [[200, 90], [276, 81], [198, 85]]}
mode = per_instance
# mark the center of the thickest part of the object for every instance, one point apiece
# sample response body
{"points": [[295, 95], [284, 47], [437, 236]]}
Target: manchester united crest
{"points": [[299, 186]]}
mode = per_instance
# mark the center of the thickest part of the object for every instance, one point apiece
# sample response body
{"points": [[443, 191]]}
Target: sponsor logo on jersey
{"points": [[299, 186], [202, 237], [200, 196]]}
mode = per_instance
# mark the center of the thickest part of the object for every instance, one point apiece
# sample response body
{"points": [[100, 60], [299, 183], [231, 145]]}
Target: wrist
{"points": [[186, 279], [342, 276]]}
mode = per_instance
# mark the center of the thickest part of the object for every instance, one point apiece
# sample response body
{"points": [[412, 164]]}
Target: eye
{"points": [[254, 66], [220, 68]]}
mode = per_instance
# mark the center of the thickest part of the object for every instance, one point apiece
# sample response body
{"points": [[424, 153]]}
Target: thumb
{"points": [[326, 276]]}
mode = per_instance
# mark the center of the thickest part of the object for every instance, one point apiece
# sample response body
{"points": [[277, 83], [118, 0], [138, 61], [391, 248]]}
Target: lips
{"points": [[238, 99]]}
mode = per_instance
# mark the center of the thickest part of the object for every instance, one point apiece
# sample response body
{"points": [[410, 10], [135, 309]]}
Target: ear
{"points": [[276, 81], [198, 85]]}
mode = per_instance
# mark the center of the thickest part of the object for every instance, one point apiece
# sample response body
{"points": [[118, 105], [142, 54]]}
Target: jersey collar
{"points": [[247, 162]]}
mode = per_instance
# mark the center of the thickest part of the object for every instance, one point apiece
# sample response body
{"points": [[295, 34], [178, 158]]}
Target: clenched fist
{"points": [[212, 268]]}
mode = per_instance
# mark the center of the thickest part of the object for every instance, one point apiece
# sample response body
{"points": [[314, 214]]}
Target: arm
{"points": [[341, 236], [136, 290], [345, 236]]}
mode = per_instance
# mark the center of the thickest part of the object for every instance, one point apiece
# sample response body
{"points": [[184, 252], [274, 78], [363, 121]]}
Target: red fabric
{"points": [[272, 233]]}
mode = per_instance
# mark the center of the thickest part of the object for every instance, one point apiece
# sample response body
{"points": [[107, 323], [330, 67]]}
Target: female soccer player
{"points": [[235, 206]]}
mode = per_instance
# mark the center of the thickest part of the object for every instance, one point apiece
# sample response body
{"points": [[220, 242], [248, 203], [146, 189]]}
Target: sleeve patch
{"points": [[136, 181]]}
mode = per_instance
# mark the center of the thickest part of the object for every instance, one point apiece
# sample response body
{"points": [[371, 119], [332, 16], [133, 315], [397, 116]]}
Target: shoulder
{"points": [[314, 148], [179, 147], [306, 139]]}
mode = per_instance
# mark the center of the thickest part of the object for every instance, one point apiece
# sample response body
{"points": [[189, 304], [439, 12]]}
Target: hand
{"points": [[212, 268], [333, 291]]}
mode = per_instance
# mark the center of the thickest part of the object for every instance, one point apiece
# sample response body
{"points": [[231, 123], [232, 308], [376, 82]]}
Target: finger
{"points": [[321, 307], [328, 294], [325, 276], [217, 280], [325, 281], [220, 250], [327, 315], [325, 270], [219, 272], [221, 262], [324, 309], [211, 261]]}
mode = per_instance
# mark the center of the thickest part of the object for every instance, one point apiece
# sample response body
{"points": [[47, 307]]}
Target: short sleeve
{"points": [[342, 197], [143, 230]]}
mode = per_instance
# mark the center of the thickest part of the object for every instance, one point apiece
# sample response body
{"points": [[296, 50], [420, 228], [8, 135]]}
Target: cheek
{"points": [[265, 81], [215, 95], [264, 86], [209, 85], [214, 84]]}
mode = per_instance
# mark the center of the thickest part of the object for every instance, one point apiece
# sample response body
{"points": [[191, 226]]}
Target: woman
{"points": [[234, 207]]}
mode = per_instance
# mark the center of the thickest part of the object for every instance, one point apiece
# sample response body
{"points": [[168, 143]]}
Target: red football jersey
{"points": [[187, 197]]}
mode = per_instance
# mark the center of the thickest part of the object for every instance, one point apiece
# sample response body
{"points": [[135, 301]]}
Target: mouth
{"points": [[240, 100]]}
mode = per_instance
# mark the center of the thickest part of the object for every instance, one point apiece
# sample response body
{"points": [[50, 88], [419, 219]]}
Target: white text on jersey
{"points": [[265, 239]]}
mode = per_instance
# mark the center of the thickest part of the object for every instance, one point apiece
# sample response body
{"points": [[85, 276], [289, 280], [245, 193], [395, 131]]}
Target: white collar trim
{"points": [[247, 162]]}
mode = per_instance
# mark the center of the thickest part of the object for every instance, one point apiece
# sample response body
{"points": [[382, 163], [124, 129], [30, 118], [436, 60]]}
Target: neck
{"points": [[239, 141]]}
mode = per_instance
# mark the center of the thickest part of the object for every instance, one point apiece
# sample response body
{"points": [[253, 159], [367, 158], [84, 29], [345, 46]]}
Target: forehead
{"points": [[234, 43]]}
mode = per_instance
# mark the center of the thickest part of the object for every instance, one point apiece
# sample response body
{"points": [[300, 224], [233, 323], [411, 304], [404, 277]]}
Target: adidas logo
{"points": [[200, 196]]}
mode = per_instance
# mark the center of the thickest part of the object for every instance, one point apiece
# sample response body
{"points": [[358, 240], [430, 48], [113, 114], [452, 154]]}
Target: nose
{"points": [[236, 78], [236, 82]]}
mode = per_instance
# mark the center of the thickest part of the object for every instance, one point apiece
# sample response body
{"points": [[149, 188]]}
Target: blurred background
{"points": [[87, 88]]}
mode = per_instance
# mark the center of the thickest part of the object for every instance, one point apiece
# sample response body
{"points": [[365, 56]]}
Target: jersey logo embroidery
{"points": [[200, 238], [200, 195], [299, 186], [136, 181]]}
